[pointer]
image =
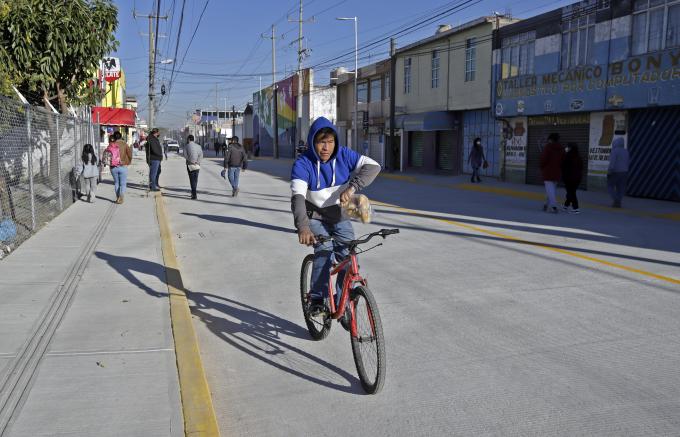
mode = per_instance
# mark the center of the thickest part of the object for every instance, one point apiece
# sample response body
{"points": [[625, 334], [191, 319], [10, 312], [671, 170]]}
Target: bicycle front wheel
{"points": [[368, 345], [318, 323]]}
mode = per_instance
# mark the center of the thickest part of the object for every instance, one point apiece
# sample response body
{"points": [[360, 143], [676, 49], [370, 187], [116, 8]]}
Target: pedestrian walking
{"points": [[119, 157], [193, 154], [154, 156], [165, 150], [476, 159], [551, 170], [235, 159], [572, 173], [617, 173], [88, 171]]}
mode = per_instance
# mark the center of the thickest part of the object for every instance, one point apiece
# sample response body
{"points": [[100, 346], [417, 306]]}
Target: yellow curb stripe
{"points": [[197, 406], [533, 243], [398, 177]]}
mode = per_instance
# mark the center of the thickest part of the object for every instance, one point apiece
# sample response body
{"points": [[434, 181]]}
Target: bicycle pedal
{"points": [[317, 310]]}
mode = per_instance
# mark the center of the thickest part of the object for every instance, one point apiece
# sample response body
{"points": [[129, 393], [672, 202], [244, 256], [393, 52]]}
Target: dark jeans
{"points": [[571, 194], [154, 174], [616, 185], [322, 255], [193, 180]]}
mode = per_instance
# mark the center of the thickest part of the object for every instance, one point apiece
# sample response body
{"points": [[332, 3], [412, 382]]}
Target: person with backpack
{"points": [[118, 156], [88, 171], [235, 158], [572, 173]]}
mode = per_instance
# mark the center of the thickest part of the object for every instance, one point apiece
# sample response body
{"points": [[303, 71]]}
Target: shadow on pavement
{"points": [[240, 221], [261, 335], [127, 266]]}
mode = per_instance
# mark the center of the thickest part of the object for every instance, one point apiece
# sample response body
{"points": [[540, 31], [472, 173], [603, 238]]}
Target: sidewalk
{"points": [[86, 346]]}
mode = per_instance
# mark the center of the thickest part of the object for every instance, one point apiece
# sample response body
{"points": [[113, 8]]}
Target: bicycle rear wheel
{"points": [[368, 346], [319, 324]]}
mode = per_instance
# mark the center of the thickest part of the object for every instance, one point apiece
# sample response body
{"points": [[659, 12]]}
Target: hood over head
{"points": [[319, 124]]}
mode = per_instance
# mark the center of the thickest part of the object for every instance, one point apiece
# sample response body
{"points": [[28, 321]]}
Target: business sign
{"points": [[111, 69], [604, 128]]}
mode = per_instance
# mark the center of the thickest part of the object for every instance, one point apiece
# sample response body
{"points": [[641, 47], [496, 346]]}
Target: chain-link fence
{"points": [[38, 152]]}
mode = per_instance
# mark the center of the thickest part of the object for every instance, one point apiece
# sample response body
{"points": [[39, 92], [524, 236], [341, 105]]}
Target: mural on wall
{"points": [[604, 127], [263, 117]]}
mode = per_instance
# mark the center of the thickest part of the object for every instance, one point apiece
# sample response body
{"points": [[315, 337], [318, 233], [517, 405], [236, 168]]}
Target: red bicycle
{"points": [[365, 327]]}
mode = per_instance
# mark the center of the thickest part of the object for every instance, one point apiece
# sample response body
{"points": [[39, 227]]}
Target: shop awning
{"points": [[113, 116], [427, 121]]}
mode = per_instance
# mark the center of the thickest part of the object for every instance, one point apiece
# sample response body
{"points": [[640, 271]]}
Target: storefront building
{"points": [[593, 71], [442, 98]]}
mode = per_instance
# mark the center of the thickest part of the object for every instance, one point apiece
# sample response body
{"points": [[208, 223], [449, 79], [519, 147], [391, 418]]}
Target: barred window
{"points": [[517, 54], [656, 25], [407, 75], [435, 69], [470, 59]]}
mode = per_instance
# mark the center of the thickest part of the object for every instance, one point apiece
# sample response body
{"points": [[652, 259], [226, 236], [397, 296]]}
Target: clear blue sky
{"points": [[228, 42]]}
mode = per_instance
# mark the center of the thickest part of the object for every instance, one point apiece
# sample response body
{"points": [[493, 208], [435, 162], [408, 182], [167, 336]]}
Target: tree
{"points": [[51, 48]]}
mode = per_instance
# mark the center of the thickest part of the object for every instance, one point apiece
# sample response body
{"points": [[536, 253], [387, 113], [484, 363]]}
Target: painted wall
{"points": [[481, 123], [615, 80]]}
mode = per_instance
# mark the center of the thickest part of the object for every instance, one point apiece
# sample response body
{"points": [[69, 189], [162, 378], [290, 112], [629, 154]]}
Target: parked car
{"points": [[173, 146]]}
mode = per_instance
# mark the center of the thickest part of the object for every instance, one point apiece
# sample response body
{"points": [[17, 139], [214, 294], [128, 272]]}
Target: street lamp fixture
{"points": [[355, 124], [167, 61]]}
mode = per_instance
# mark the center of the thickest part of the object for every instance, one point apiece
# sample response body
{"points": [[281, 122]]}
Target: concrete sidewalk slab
{"points": [[109, 368]]}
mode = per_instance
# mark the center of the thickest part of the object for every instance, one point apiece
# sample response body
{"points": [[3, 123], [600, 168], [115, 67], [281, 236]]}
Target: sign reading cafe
{"points": [[646, 69], [111, 69]]}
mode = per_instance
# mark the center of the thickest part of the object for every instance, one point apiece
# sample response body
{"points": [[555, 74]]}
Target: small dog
{"points": [[358, 207]]}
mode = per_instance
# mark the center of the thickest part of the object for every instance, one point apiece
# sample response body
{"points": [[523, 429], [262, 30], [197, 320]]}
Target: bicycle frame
{"points": [[351, 276]]}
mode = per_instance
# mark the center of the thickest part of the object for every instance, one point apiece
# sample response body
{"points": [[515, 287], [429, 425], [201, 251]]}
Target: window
{"points": [[362, 92], [656, 25], [517, 55], [435, 69], [407, 75], [388, 84], [376, 90], [470, 59], [578, 39]]}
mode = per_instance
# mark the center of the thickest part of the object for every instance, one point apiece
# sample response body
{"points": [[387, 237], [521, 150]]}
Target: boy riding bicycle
{"points": [[326, 175]]}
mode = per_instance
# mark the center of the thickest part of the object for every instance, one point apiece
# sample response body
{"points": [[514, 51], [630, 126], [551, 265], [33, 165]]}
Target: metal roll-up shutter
{"points": [[654, 148], [540, 128], [416, 149], [445, 145]]}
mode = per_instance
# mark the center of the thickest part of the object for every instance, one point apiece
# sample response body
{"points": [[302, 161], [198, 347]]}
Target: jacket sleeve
{"points": [[298, 186], [227, 154], [365, 171]]}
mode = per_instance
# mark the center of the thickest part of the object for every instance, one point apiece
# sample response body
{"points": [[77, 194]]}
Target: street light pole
{"points": [[355, 125]]}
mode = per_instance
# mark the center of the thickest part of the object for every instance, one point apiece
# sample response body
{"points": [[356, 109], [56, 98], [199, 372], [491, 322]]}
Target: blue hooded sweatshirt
{"points": [[320, 184]]}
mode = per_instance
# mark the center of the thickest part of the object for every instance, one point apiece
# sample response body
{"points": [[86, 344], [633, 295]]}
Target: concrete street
{"points": [[499, 319], [486, 334]]}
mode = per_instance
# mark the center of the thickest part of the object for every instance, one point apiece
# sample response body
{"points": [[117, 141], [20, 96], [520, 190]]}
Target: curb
{"points": [[197, 406]]}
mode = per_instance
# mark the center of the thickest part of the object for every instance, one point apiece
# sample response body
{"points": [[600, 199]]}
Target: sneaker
{"points": [[236, 192], [565, 208], [554, 210], [576, 211]]}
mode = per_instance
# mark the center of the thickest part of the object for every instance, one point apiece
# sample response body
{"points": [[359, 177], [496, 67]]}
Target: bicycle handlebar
{"points": [[353, 243]]}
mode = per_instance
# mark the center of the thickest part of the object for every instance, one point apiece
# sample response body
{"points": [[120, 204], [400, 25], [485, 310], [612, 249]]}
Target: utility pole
{"points": [[275, 112], [233, 121], [152, 66], [301, 54], [393, 69]]}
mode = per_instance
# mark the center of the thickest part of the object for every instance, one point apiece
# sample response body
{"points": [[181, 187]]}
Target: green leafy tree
{"points": [[52, 48]]}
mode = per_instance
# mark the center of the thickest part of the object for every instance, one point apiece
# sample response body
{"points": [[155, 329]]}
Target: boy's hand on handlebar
{"points": [[306, 237]]}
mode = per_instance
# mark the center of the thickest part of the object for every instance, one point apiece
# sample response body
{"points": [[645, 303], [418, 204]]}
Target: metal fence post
{"points": [[30, 166], [61, 195]]}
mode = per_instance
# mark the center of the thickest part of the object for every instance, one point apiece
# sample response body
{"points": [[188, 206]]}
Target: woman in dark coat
{"points": [[572, 173], [476, 159]]}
